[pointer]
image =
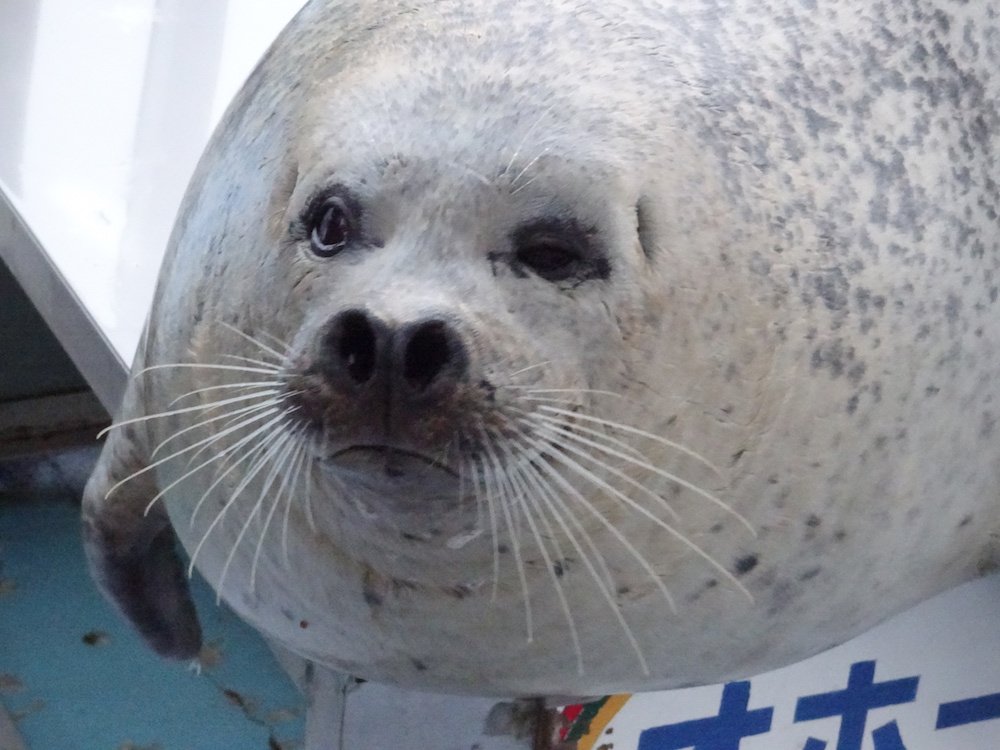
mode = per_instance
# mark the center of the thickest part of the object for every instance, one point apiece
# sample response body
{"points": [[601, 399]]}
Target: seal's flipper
{"points": [[133, 554]]}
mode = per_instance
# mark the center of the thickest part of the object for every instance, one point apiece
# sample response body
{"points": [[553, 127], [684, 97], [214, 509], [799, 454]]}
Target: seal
{"points": [[574, 347]]}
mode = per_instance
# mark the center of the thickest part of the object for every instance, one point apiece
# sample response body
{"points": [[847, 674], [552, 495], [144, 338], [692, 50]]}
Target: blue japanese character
{"points": [[853, 704], [968, 711], [722, 732]]}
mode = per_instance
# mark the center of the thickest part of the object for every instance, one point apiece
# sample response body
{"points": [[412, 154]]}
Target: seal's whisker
{"points": [[546, 489], [569, 424], [606, 592], [524, 171], [274, 402], [490, 489], [173, 412], [530, 508], [281, 343], [522, 371], [152, 465], [265, 386], [297, 471], [254, 454], [231, 415], [270, 370], [222, 455], [576, 391], [274, 454], [461, 484], [661, 472], [559, 479], [506, 509], [560, 512], [491, 511], [634, 431], [252, 340], [556, 433], [251, 361], [524, 139], [525, 184], [585, 473], [311, 487], [286, 463], [244, 421]]}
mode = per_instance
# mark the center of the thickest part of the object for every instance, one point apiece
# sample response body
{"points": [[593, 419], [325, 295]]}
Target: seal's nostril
{"points": [[426, 354], [356, 346]]}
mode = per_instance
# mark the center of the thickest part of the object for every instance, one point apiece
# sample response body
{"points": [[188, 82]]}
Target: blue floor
{"points": [[75, 677]]}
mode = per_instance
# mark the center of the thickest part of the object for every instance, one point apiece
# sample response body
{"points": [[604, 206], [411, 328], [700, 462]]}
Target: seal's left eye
{"points": [[332, 229]]}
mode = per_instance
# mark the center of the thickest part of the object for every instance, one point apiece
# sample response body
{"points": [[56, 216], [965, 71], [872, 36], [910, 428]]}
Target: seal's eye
{"points": [[549, 257], [332, 228], [558, 250]]}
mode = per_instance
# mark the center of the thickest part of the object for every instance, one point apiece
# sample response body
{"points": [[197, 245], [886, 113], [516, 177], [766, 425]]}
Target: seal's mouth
{"points": [[393, 462], [389, 478]]}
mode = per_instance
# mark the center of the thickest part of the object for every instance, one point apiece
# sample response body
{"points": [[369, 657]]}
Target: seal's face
{"points": [[444, 300]]}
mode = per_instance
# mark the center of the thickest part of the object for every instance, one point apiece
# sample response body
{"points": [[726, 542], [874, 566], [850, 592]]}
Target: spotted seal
{"points": [[576, 347]]}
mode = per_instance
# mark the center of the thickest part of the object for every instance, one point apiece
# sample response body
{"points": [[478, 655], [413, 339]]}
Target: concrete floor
{"points": [[73, 676]]}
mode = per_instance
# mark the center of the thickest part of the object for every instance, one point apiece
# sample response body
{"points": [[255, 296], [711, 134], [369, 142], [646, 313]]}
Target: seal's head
{"points": [[564, 355]]}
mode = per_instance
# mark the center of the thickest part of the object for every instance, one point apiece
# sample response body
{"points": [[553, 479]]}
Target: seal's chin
{"points": [[386, 477]]}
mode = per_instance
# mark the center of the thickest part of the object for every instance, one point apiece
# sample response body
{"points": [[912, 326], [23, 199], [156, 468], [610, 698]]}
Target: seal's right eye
{"points": [[332, 227]]}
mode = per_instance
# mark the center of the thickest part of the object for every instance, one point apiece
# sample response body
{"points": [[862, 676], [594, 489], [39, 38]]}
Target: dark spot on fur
{"points": [[503, 549], [745, 564], [840, 535], [739, 454], [987, 426], [303, 624], [832, 356], [716, 528], [418, 665], [372, 597], [812, 521], [931, 390], [852, 404], [830, 285], [810, 574], [459, 591], [965, 522], [781, 595], [952, 308], [856, 373]]}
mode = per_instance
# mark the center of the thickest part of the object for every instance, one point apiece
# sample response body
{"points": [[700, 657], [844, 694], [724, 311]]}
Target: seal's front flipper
{"points": [[133, 554]]}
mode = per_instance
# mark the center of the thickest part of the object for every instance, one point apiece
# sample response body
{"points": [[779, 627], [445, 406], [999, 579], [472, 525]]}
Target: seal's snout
{"points": [[412, 362]]}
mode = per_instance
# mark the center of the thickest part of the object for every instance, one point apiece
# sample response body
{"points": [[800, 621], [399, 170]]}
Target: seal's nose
{"points": [[429, 353], [417, 360], [351, 349]]}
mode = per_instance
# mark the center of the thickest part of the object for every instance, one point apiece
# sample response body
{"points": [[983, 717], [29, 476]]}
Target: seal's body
{"points": [[575, 347]]}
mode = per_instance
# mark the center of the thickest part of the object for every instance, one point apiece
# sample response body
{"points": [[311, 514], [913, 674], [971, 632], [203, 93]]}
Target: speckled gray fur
{"points": [[796, 205]]}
